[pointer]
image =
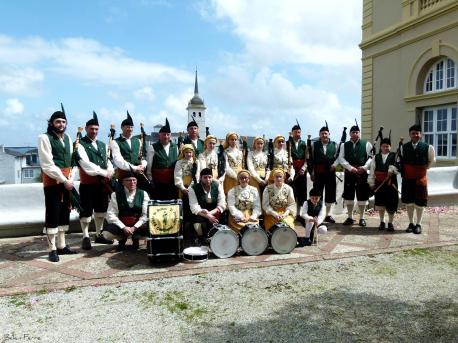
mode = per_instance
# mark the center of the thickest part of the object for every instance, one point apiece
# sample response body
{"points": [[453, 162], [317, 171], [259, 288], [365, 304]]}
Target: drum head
{"points": [[283, 240], [224, 243], [195, 254], [254, 241]]}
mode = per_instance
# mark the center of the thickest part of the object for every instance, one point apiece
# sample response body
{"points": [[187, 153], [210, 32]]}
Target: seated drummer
{"points": [[278, 201], [243, 203], [207, 202], [313, 213], [127, 213]]}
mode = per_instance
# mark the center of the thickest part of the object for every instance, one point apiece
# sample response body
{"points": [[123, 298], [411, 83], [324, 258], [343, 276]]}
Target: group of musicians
{"points": [[117, 181]]}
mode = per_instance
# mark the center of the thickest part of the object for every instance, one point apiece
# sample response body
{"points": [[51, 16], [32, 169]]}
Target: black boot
{"points": [[53, 257], [86, 244], [121, 245]]}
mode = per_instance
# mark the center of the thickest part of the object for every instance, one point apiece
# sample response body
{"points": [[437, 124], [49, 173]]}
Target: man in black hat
{"points": [[355, 157], [55, 150], [382, 179], [95, 171], [129, 153], [127, 213], [298, 148], [193, 138], [417, 157], [207, 202], [324, 162], [162, 157]]}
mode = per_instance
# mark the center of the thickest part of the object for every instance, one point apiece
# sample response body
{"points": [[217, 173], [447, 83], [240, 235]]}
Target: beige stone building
{"points": [[410, 60]]}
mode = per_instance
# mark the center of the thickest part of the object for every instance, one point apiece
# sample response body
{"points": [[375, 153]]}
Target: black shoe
{"points": [[135, 243], [202, 241], [66, 251], [390, 227], [329, 219], [410, 227], [102, 240], [53, 257], [86, 244], [417, 229], [382, 226], [300, 242], [121, 245], [362, 223], [349, 221], [307, 242]]}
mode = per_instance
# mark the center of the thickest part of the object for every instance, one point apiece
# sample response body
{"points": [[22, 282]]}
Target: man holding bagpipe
{"points": [[162, 157], [128, 154], [96, 171], [55, 151], [193, 138], [324, 162], [298, 150], [416, 158], [355, 158]]}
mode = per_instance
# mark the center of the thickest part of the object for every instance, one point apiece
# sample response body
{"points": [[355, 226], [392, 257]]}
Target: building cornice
{"points": [[429, 96], [400, 28]]}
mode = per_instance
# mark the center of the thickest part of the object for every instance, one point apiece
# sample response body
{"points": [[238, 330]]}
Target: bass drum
{"points": [[224, 242], [254, 240], [283, 239]]}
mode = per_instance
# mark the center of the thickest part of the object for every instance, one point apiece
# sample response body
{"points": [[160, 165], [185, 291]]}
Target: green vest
{"points": [[312, 210], [61, 155], [202, 198], [97, 156], [130, 155], [299, 153], [200, 145], [123, 206], [383, 167], [418, 156], [319, 157], [161, 160], [356, 156]]}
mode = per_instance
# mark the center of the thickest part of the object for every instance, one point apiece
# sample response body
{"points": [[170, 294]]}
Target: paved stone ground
{"points": [[24, 267]]}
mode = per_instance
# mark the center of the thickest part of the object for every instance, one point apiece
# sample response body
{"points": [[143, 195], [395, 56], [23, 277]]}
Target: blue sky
{"points": [[261, 64]]}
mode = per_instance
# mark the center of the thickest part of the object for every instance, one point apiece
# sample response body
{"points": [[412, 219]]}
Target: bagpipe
{"points": [[142, 153], [379, 136], [221, 161], [111, 185], [75, 199], [244, 153]]}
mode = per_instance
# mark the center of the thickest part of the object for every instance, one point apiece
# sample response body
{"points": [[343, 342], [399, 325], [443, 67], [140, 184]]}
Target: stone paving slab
{"points": [[24, 267]]}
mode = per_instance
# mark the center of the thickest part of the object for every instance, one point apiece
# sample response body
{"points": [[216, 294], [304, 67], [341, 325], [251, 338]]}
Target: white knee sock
{"points": [[350, 210], [390, 217], [410, 209], [85, 226], [420, 210], [98, 220], [51, 241], [362, 208], [308, 229], [61, 240], [381, 213], [108, 235], [198, 228], [328, 209]]}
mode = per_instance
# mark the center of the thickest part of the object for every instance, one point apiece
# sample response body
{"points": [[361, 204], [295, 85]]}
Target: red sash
{"points": [[129, 220], [49, 181], [380, 176], [320, 168], [87, 179], [297, 164], [163, 175], [416, 172]]}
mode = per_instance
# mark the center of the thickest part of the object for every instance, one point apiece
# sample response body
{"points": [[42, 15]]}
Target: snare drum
{"points": [[254, 240], [223, 241], [283, 239], [195, 254]]}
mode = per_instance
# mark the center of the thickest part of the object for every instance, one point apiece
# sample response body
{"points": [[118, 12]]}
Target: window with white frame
{"points": [[442, 76], [28, 173], [439, 130]]}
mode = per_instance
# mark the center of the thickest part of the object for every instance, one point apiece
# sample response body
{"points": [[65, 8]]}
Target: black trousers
{"points": [[326, 182], [300, 188], [413, 193], [356, 183], [94, 198], [142, 231], [57, 203], [387, 196], [164, 191]]}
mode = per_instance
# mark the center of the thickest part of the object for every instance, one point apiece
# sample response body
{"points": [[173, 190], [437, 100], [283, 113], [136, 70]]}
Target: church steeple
{"points": [[196, 107], [196, 86]]}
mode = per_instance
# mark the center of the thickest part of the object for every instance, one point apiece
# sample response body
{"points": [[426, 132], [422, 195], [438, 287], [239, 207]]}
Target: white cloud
{"points": [[294, 31], [145, 93], [13, 109], [86, 60], [20, 81]]}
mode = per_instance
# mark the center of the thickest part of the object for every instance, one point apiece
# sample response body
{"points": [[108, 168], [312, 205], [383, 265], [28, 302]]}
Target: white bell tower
{"points": [[196, 109]]}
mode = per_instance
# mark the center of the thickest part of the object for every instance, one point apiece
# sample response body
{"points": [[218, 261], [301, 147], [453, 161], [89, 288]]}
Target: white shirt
{"points": [[344, 163], [305, 209], [113, 210], [260, 159], [194, 204], [285, 192], [89, 167], [431, 154], [251, 194], [150, 156], [182, 168], [118, 160], [46, 158]]}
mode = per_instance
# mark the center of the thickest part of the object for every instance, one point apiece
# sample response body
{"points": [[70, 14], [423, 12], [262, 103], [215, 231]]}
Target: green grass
{"points": [[18, 301]]}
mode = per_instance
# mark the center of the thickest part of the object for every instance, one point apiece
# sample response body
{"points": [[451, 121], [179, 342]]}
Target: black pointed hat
{"points": [[94, 120], [166, 127], [58, 114], [325, 128], [192, 123], [296, 127], [128, 121], [415, 127], [355, 127]]}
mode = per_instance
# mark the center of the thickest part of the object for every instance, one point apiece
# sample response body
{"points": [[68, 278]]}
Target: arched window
{"points": [[442, 76]]}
